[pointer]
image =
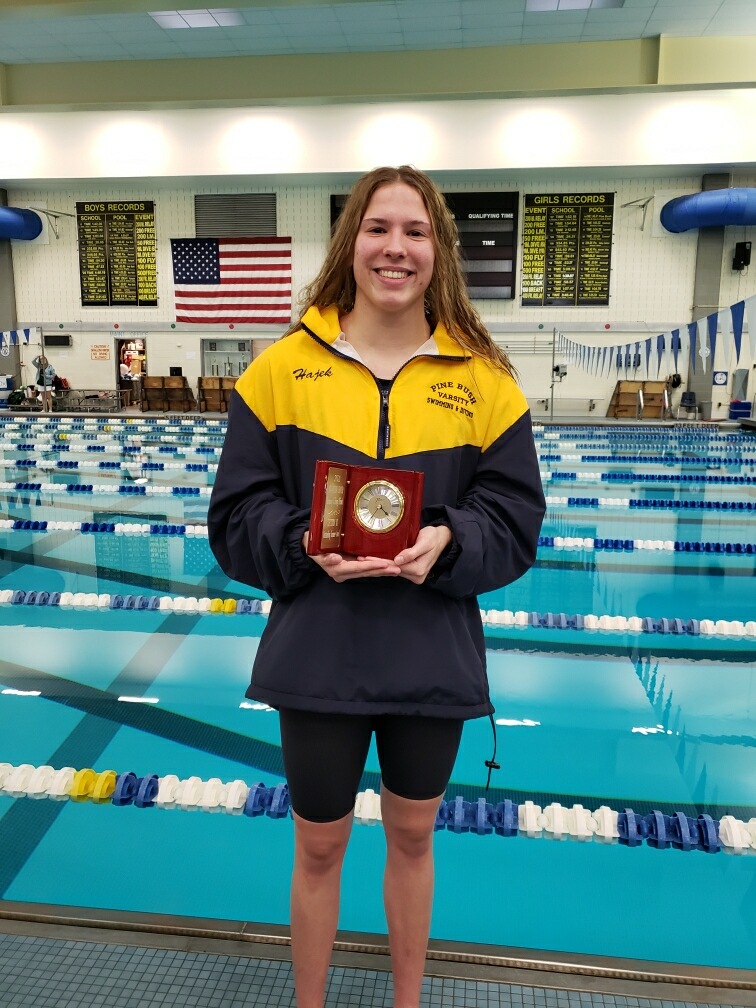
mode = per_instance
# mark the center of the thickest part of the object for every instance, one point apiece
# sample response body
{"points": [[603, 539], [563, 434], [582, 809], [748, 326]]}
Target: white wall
{"points": [[651, 288], [635, 129]]}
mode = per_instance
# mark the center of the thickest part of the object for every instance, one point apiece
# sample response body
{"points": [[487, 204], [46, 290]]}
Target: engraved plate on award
{"points": [[333, 508], [364, 510]]}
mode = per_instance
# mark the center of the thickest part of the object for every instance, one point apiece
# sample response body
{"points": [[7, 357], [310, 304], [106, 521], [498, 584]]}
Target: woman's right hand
{"points": [[342, 568]]}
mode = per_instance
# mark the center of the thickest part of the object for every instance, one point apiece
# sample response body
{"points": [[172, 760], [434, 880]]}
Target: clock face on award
{"points": [[379, 506]]}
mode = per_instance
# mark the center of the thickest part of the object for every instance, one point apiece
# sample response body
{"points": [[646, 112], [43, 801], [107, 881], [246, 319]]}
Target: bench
{"points": [[91, 401]]}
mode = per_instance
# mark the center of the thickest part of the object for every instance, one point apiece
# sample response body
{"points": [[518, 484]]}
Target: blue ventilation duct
{"points": [[23, 224], [713, 208]]}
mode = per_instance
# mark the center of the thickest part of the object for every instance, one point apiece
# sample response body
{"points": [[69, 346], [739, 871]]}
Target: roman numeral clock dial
{"points": [[379, 506]]}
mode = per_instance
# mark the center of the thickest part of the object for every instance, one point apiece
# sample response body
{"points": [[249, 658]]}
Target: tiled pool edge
{"points": [[601, 982]]}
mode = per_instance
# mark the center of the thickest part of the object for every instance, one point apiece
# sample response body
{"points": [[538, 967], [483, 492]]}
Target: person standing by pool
{"points": [[390, 366], [45, 381]]}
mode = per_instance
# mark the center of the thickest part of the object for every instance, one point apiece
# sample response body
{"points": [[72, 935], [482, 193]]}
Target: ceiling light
{"points": [[139, 699], [202, 17], [168, 19], [226, 17], [564, 5], [22, 692]]}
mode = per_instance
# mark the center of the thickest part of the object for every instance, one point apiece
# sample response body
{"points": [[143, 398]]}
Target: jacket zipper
{"points": [[384, 428]]}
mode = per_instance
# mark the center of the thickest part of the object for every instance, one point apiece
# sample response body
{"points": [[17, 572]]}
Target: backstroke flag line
{"points": [[228, 280], [693, 344]]}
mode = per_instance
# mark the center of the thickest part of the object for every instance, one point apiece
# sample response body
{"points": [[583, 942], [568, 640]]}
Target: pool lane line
{"points": [[266, 757]]}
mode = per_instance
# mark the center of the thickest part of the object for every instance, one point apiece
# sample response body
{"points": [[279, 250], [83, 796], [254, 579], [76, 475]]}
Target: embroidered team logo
{"points": [[452, 396]]}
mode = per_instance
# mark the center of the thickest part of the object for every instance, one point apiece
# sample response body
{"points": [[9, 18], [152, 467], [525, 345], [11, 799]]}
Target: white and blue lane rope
{"points": [[502, 619], [505, 819]]}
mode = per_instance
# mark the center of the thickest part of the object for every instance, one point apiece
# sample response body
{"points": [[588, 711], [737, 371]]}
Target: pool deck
{"points": [[59, 957]]}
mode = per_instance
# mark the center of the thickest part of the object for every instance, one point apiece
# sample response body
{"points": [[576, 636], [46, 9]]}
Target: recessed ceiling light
{"points": [[168, 19], [202, 17], [562, 5]]}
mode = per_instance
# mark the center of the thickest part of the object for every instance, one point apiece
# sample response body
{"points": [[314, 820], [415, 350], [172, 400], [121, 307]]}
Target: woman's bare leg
{"points": [[315, 888], [408, 889]]}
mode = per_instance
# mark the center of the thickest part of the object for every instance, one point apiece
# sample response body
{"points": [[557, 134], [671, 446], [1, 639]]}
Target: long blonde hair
{"points": [[446, 298]]}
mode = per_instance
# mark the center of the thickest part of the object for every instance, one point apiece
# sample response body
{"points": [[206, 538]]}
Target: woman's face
{"points": [[393, 253]]}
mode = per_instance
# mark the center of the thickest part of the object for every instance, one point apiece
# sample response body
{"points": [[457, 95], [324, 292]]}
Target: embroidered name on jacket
{"points": [[314, 375]]}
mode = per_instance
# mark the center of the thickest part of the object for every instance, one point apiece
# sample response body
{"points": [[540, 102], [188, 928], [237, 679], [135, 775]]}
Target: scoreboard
{"points": [[117, 260], [566, 248]]}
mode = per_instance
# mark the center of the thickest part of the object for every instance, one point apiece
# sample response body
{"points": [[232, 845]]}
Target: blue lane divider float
{"points": [[650, 503], [113, 528], [108, 488], [544, 542], [503, 619], [457, 815], [628, 477]]}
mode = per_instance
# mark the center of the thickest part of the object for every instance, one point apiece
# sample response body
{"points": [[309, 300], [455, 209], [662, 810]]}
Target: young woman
{"points": [[389, 365], [45, 380]]}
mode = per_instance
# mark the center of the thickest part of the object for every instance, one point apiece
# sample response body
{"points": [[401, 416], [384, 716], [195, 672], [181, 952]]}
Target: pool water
{"points": [[628, 720]]}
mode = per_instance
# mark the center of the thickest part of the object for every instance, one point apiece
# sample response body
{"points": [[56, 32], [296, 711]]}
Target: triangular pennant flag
{"points": [[693, 336], [711, 330], [636, 357], [725, 334], [659, 352], [648, 355], [676, 345], [737, 311]]}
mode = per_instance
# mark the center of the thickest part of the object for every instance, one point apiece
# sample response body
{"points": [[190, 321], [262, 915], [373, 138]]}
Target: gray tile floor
{"points": [[51, 973]]}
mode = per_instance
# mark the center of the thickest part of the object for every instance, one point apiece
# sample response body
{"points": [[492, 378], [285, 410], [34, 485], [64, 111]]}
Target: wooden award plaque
{"points": [[364, 510]]}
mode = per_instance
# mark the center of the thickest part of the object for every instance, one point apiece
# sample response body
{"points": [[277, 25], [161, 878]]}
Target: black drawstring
{"points": [[492, 764]]}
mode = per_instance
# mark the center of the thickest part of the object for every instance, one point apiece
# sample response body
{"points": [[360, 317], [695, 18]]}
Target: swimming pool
{"points": [[647, 524]]}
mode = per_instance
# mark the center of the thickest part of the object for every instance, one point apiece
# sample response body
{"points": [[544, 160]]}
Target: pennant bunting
{"points": [[16, 337], [693, 336], [659, 353], [737, 312], [712, 324], [676, 345]]}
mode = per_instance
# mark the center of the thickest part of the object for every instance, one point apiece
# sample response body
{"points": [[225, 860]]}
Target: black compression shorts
{"points": [[324, 756]]}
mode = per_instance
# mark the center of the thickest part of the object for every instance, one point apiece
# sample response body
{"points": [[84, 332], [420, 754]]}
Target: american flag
{"points": [[232, 279]]}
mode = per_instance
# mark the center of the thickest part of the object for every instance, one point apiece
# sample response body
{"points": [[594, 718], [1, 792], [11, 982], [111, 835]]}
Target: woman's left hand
{"points": [[416, 561]]}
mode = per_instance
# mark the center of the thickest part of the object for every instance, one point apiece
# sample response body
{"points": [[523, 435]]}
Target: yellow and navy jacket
{"points": [[375, 645]]}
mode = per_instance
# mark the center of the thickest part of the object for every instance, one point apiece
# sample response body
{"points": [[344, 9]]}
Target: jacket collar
{"points": [[324, 323]]}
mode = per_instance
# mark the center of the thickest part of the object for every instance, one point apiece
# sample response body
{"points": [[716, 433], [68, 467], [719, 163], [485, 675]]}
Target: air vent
{"points": [[235, 215], [57, 339]]}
